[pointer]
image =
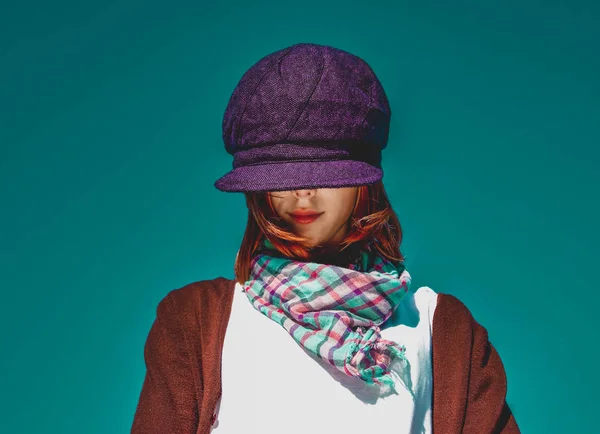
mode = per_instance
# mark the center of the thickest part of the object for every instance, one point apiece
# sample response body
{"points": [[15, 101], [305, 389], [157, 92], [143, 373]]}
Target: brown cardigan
{"points": [[183, 371]]}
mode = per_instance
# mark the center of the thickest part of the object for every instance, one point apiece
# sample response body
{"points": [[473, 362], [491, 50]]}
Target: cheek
{"points": [[349, 205], [277, 204], [340, 214]]}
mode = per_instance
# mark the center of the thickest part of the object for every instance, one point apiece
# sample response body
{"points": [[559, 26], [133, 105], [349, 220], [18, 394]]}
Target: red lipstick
{"points": [[305, 216]]}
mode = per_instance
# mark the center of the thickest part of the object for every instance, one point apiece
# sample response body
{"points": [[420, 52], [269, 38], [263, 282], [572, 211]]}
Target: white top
{"points": [[271, 385]]}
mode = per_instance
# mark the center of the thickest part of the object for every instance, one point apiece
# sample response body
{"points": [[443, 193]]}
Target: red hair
{"points": [[372, 219]]}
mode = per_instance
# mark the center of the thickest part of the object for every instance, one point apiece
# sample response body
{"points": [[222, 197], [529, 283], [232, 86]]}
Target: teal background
{"points": [[110, 141]]}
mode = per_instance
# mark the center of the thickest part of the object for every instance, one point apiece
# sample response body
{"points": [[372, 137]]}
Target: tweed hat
{"points": [[306, 116]]}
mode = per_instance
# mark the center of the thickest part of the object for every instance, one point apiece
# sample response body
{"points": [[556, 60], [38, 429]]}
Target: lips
{"points": [[305, 216]]}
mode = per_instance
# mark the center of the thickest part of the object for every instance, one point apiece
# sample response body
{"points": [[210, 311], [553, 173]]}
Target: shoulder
{"points": [[201, 290], [424, 300], [450, 307], [424, 295], [187, 301], [454, 320]]}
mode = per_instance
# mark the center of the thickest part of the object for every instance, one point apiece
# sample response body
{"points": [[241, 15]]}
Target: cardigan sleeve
{"points": [[167, 401], [487, 410]]}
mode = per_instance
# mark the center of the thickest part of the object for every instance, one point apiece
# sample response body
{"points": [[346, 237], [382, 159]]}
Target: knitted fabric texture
{"points": [[335, 312], [305, 116]]}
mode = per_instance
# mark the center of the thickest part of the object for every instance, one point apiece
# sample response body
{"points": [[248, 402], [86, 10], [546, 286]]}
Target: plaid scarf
{"points": [[334, 312]]}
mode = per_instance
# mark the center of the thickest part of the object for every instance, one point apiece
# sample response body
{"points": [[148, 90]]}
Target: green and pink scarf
{"points": [[334, 312]]}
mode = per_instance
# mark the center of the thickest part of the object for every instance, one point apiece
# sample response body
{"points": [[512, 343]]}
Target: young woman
{"points": [[320, 331]]}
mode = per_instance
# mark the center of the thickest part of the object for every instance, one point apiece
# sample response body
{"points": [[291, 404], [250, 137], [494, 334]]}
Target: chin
{"points": [[312, 242]]}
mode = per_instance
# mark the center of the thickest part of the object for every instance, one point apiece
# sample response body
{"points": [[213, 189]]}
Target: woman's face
{"points": [[333, 205]]}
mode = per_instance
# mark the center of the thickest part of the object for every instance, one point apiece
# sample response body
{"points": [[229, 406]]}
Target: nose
{"points": [[304, 193]]}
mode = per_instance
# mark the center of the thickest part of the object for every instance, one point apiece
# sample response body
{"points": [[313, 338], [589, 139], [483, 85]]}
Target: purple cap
{"points": [[306, 116]]}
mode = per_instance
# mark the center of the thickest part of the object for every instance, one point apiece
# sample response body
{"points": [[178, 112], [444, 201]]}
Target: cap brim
{"points": [[298, 175]]}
